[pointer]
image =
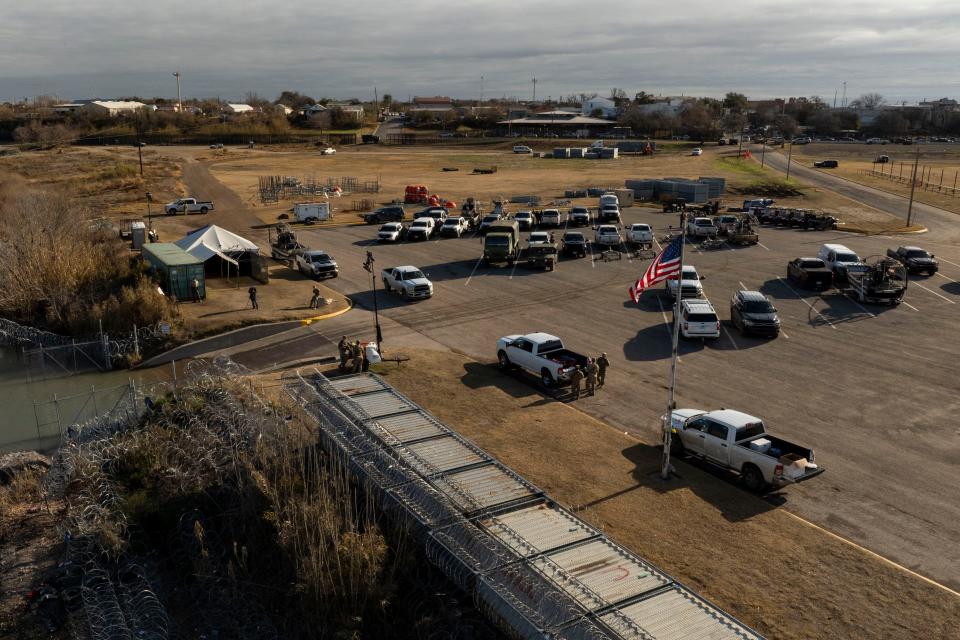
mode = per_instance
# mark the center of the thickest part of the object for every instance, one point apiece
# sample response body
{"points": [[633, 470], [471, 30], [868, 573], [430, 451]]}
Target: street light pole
{"points": [[913, 185], [789, 157], [179, 103], [671, 401], [368, 266]]}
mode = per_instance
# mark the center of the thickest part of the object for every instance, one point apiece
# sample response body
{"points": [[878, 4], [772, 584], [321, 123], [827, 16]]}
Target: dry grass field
{"points": [[772, 570], [937, 161], [516, 175]]}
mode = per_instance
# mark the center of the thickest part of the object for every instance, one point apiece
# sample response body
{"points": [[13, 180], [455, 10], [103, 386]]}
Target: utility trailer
{"points": [[878, 281]]}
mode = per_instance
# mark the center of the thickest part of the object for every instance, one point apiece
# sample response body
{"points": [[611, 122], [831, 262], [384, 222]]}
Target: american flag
{"points": [[663, 266]]}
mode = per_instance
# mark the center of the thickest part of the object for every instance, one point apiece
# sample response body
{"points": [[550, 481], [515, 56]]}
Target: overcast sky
{"points": [[905, 50]]}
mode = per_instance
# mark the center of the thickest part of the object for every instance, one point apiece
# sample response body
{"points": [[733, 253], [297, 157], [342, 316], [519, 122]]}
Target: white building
{"points": [[112, 107], [671, 107], [282, 109], [236, 109], [433, 104], [607, 107]]}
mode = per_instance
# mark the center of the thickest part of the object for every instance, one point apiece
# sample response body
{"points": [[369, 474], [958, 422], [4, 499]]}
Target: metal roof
{"points": [[407, 427], [483, 487], [678, 614], [353, 385], [381, 403], [539, 528], [169, 254], [605, 568], [440, 454]]}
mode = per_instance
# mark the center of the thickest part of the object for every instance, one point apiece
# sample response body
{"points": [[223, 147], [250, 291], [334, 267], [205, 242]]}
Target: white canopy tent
{"points": [[209, 241]]}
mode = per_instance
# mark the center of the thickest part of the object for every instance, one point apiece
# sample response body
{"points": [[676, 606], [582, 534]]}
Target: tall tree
{"points": [[735, 101], [869, 101]]}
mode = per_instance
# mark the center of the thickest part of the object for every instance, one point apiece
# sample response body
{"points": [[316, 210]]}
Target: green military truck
{"points": [[501, 245]]}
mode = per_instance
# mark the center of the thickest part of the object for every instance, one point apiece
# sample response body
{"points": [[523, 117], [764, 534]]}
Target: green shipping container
{"points": [[176, 268]]}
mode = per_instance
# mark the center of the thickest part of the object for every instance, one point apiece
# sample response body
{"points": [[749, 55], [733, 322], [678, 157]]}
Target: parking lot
{"points": [[873, 390]]}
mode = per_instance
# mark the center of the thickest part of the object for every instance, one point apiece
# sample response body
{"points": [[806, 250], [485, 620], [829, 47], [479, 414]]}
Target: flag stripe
{"points": [[666, 264]]}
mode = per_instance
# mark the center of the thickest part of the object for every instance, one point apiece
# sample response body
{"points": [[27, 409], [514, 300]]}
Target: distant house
{"points": [[68, 107], [436, 104], [356, 110], [606, 106], [282, 109], [236, 109], [668, 107], [312, 110], [112, 107], [559, 122]]}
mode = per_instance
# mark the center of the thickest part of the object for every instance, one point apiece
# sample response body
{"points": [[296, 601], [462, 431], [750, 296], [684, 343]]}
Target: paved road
{"points": [[944, 224], [872, 390]]}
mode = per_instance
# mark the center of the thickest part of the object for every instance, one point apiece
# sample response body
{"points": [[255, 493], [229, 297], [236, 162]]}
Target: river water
{"points": [[31, 419]]}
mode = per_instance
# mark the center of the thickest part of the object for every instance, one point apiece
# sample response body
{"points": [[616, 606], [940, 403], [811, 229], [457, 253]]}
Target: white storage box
{"points": [[760, 444]]}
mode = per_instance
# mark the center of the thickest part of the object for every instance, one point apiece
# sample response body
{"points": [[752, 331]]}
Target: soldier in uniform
{"points": [[575, 379], [602, 364], [345, 352], [357, 357], [591, 371]]}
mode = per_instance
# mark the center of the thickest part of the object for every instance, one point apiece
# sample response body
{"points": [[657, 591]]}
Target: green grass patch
{"points": [[742, 166]]}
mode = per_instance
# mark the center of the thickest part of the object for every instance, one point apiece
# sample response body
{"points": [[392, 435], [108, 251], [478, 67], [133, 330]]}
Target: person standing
{"points": [[591, 373], [195, 289], [602, 364], [575, 379], [253, 297], [357, 357], [345, 350], [315, 300]]}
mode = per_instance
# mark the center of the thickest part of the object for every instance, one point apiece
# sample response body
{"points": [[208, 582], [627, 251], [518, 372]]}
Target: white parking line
{"points": [[729, 337], [590, 247], [830, 324], [933, 292], [910, 305], [743, 287], [657, 242], [764, 246], [515, 263], [945, 277], [948, 262], [479, 260]]}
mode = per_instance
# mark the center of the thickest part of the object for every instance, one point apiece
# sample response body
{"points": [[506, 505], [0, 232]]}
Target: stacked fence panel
{"points": [[533, 567]]}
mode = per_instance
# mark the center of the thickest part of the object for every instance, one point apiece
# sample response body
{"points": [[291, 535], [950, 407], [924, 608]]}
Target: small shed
{"points": [[176, 268]]}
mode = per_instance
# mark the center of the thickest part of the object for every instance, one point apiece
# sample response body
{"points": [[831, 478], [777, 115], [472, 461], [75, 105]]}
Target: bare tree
{"points": [[869, 101]]}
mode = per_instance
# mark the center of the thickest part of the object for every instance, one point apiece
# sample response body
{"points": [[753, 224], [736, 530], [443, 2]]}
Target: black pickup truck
{"points": [[915, 259], [810, 273], [573, 243], [385, 214]]}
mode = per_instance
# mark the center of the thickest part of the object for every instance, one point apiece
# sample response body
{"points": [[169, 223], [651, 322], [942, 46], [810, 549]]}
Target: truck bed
{"points": [[783, 452], [565, 358]]}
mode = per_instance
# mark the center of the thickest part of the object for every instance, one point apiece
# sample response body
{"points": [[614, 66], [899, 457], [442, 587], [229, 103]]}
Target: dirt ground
{"points": [[30, 548], [516, 175], [938, 162], [286, 297], [777, 573]]}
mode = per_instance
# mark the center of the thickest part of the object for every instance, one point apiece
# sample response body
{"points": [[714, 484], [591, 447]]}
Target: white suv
{"points": [[698, 319]]}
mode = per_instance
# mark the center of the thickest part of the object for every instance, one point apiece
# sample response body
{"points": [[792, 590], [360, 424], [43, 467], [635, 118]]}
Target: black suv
{"points": [[385, 214], [751, 312], [826, 164]]}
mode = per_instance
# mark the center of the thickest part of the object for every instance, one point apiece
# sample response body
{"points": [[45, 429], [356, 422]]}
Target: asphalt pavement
{"points": [[872, 390], [945, 224]]}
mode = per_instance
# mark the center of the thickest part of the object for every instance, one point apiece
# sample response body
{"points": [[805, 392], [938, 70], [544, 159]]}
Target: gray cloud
{"points": [[906, 51]]}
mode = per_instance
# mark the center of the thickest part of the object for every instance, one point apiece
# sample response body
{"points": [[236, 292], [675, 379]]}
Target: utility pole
{"points": [[368, 266], [835, 98], [843, 103], [763, 152], [481, 90], [671, 402], [534, 90], [789, 157], [179, 103], [913, 186]]}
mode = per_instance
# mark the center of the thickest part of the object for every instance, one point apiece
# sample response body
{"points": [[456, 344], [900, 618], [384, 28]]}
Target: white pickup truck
{"points": [[690, 286], [740, 442], [541, 354], [607, 235], [188, 205], [701, 228], [409, 281], [640, 234], [316, 264]]}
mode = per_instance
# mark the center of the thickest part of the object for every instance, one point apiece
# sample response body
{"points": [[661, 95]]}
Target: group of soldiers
{"points": [[594, 372], [353, 353]]}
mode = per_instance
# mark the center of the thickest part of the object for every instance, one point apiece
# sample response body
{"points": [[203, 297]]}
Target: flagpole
{"points": [[668, 417]]}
